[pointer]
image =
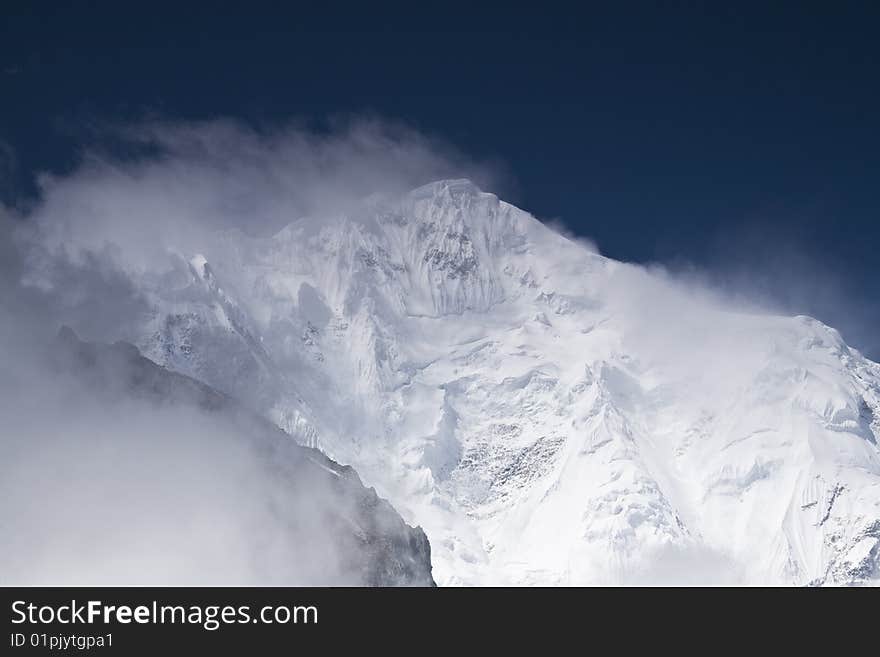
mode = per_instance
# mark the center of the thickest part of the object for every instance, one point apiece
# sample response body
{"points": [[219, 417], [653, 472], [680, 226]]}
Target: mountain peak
{"points": [[452, 187]]}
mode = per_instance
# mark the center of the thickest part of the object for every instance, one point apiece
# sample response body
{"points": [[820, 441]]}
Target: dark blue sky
{"points": [[742, 141]]}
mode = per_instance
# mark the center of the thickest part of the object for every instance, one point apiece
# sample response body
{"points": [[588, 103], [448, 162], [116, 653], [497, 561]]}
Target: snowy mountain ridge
{"points": [[548, 415]]}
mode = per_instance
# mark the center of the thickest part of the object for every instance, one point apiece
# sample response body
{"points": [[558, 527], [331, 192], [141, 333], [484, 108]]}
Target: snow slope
{"points": [[548, 415]]}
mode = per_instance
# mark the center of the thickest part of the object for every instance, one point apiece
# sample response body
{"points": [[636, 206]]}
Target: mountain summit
{"points": [[548, 415]]}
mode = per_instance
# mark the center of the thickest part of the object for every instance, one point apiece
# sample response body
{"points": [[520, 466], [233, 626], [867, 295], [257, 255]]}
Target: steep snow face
{"points": [[549, 416]]}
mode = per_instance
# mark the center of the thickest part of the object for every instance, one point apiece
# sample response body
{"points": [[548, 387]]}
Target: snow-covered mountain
{"points": [[548, 415]]}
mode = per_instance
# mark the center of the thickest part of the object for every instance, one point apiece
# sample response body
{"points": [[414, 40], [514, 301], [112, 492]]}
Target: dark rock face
{"points": [[372, 545]]}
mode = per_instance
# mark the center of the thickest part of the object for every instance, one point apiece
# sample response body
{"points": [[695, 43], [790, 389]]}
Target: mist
{"points": [[170, 182], [102, 485]]}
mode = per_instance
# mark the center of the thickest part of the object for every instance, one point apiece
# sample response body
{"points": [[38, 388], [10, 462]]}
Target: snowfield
{"points": [[547, 415]]}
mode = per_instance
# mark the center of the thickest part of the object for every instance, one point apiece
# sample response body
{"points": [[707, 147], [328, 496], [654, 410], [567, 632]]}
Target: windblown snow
{"points": [[547, 415]]}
